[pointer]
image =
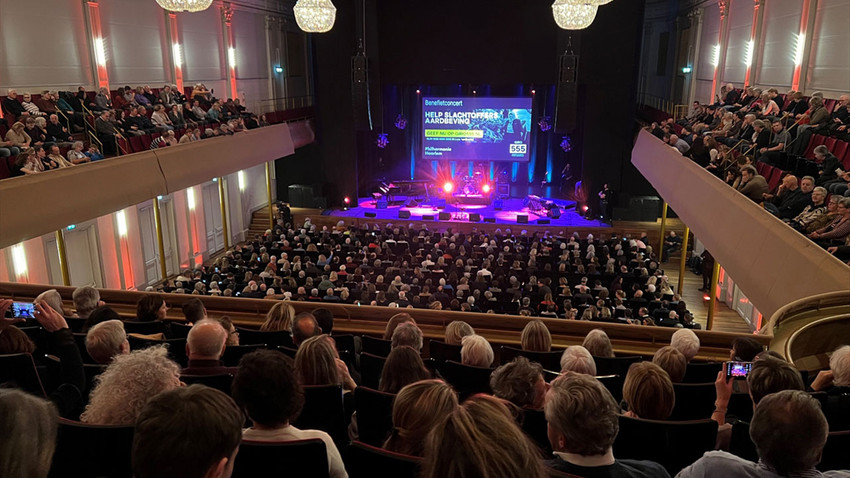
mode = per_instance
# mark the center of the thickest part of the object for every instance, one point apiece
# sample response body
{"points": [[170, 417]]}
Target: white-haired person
{"points": [[476, 351], [86, 299], [28, 427], [838, 375], [128, 384], [578, 359], [407, 334], [598, 344], [106, 340], [685, 341]]}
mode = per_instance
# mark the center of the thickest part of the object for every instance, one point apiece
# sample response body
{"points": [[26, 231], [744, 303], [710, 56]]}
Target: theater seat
{"points": [[365, 461], [324, 410], [176, 347], [294, 458], [19, 370], [549, 360], [92, 450], [466, 380], [371, 368], [377, 346], [222, 382], [835, 452], [614, 384], [740, 443], [252, 336], [441, 351], [234, 353], [144, 328], [615, 366], [534, 425], [374, 415], [674, 445], [694, 401], [177, 330], [702, 372]]}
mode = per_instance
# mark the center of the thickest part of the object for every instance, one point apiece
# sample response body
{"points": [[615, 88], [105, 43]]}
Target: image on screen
{"points": [[740, 369], [23, 310], [476, 129]]}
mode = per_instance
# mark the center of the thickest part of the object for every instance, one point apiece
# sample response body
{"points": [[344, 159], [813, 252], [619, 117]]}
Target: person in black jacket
{"points": [[11, 105]]}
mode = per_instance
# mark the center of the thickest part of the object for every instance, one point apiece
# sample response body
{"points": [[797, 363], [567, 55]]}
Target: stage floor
{"points": [[511, 208]]}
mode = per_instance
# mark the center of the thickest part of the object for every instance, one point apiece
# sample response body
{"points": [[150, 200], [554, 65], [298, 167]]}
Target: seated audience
{"points": [[536, 337], [671, 361], [417, 410], [476, 351], [648, 392], [28, 427], [394, 322], [205, 345], [578, 359], [598, 344], [265, 386], [189, 432], [86, 299], [317, 363], [520, 382], [472, 442], [838, 375], [304, 326], [151, 307], [583, 424], [407, 334], [456, 331], [128, 383], [404, 366], [106, 340], [753, 185], [685, 341], [278, 318]]}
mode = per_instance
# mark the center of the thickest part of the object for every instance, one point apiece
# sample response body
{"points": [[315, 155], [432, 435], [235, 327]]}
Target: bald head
{"points": [[206, 340]]}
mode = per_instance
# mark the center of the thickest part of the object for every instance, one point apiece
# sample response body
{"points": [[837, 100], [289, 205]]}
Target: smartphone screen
{"points": [[23, 310], [738, 370]]}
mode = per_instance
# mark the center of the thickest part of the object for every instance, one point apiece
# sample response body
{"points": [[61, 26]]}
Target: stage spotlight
{"points": [[448, 186], [533, 92], [417, 92], [584, 208], [485, 188], [346, 203]]}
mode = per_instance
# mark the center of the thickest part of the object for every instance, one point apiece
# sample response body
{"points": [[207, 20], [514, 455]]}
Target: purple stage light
{"points": [[545, 124], [566, 144], [383, 141], [400, 122]]}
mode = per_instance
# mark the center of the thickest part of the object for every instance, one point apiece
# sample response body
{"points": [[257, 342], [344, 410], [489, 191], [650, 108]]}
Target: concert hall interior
{"points": [[598, 186]]}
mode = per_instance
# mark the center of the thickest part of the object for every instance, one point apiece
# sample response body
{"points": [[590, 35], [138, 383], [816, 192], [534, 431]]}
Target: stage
{"points": [[511, 213]]}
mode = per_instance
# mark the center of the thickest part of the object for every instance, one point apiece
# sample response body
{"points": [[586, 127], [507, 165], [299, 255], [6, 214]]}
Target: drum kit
{"points": [[473, 185]]}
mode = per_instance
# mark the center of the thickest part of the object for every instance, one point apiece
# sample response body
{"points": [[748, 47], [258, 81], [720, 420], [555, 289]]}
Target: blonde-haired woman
{"points": [[456, 331], [649, 392], [475, 351], [598, 344], [419, 408], [536, 337], [481, 438], [126, 386], [317, 363], [278, 318]]}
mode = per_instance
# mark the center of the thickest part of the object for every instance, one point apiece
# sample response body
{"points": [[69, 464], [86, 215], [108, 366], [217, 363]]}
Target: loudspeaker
{"points": [[565, 106], [491, 220], [498, 204], [441, 203], [404, 214], [360, 93], [475, 217], [411, 203], [371, 214], [543, 221], [444, 216], [555, 213], [381, 204], [427, 217], [522, 218], [503, 190]]}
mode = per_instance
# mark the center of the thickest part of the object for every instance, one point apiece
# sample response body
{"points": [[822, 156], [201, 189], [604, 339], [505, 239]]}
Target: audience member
{"points": [[28, 427], [598, 344], [205, 345], [577, 359], [86, 299], [685, 341], [407, 334], [456, 331], [278, 318], [151, 307], [404, 366], [417, 410], [520, 382], [317, 363], [304, 326], [107, 340], [671, 361], [476, 351], [649, 392], [536, 337]]}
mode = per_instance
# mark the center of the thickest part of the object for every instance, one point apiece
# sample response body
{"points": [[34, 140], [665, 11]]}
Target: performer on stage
{"points": [[605, 197], [566, 180]]}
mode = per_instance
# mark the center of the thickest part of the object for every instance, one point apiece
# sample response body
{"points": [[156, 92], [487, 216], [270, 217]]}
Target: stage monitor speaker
{"points": [[544, 221], [427, 217], [404, 214], [490, 220], [381, 204], [360, 93], [565, 106], [371, 214], [555, 213], [522, 218], [503, 190], [412, 203], [444, 216], [441, 203], [475, 217], [498, 204]]}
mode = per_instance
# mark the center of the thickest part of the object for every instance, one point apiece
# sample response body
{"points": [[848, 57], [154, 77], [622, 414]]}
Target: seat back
{"points": [[80, 340], [222, 382], [702, 372], [176, 330], [290, 352], [614, 365], [92, 450], [294, 458], [465, 379], [441, 351], [176, 347], [535, 426], [740, 443], [614, 384], [144, 328], [277, 338], [375, 346], [324, 410], [234, 353], [674, 445], [75, 324], [835, 452], [344, 342], [548, 360], [836, 407], [374, 415], [91, 371], [19, 370], [365, 461], [694, 401], [371, 368]]}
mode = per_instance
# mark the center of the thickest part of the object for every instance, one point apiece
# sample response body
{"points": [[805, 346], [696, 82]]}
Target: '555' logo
{"points": [[519, 148]]}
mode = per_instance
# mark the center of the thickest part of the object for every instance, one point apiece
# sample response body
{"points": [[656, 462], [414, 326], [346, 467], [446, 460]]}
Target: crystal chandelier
{"points": [[574, 14], [184, 5], [595, 2], [315, 16]]}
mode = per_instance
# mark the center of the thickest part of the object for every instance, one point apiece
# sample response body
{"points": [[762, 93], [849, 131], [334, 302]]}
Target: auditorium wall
{"points": [[786, 44], [52, 44]]}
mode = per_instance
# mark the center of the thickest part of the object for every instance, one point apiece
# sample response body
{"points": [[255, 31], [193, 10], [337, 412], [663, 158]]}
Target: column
{"points": [[755, 38], [97, 43], [712, 293], [176, 51], [229, 49], [63, 257], [160, 241], [804, 45], [722, 43], [660, 252]]}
